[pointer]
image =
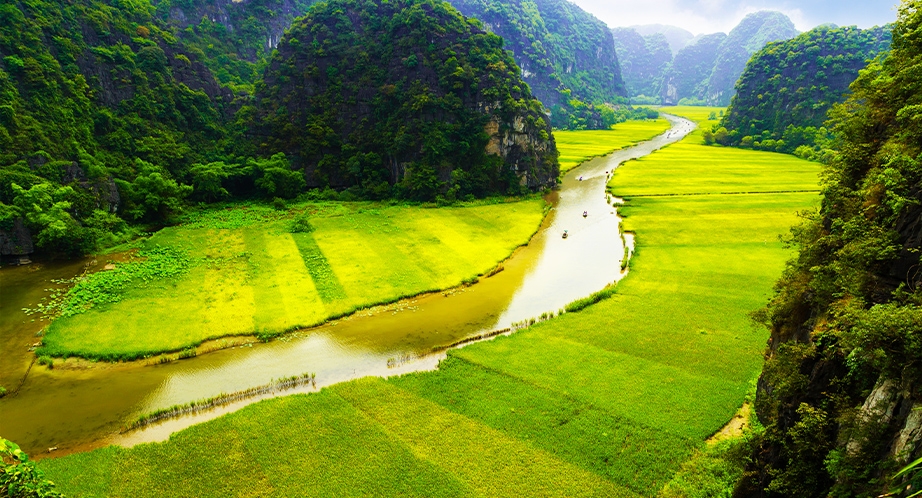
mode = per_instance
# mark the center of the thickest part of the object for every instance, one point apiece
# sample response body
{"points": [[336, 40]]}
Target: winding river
{"points": [[78, 405]]}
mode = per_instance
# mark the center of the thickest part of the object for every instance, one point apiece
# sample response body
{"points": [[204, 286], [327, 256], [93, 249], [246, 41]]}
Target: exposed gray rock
{"points": [[17, 241]]}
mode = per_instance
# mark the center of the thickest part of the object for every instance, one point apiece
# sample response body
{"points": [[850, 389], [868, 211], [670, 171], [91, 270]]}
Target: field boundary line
{"points": [[629, 196]]}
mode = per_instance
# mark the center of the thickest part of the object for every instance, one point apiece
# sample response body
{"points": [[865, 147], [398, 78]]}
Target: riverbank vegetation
{"points": [[252, 269], [610, 400], [576, 147]]}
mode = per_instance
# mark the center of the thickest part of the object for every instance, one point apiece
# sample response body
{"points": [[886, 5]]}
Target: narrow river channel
{"points": [[79, 406]]}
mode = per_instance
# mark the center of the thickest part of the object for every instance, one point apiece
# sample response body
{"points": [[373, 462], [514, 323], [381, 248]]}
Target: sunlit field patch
{"points": [[578, 146], [245, 272]]}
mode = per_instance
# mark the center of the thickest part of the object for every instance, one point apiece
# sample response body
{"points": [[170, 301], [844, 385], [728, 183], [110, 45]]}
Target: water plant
{"points": [[221, 399]]}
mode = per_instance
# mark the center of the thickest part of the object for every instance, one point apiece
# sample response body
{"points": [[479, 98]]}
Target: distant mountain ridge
{"points": [[691, 68], [677, 37], [562, 50], [702, 69]]}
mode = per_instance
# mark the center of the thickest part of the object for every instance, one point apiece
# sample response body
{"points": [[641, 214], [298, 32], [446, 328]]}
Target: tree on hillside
{"points": [[839, 394]]}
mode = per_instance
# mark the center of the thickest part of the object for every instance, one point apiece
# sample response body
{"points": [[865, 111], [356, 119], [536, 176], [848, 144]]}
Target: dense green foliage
{"points": [[233, 38], [643, 60], [847, 316], [788, 87], [579, 115], [108, 117], [367, 95], [18, 476]]}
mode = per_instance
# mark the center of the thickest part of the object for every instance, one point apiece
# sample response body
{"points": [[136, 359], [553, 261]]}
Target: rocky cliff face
{"points": [[406, 98], [752, 33], [16, 241], [643, 60], [524, 149], [690, 69]]}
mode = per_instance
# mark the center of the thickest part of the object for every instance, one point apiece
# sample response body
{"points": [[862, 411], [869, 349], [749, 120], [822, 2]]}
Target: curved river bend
{"points": [[75, 409]]}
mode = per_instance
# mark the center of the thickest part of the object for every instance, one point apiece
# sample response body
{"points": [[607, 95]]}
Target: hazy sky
{"points": [[709, 16]]}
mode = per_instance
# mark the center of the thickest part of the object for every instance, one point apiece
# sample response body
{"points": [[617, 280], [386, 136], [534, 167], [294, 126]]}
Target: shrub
{"points": [[19, 477], [301, 224]]}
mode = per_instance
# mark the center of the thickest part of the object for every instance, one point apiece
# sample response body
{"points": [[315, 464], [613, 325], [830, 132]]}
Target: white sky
{"points": [[710, 16]]}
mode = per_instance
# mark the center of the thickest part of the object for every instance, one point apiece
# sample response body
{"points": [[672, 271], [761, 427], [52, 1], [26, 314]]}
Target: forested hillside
{"points": [[788, 87], [840, 393], [409, 94], [234, 38], [101, 111], [643, 60], [110, 115]]}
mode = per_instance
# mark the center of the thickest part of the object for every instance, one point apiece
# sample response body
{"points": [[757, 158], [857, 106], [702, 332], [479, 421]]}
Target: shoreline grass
{"points": [[155, 416]]}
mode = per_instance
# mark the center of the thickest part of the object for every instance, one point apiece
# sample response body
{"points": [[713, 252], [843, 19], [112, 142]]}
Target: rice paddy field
{"points": [[245, 270], [607, 401], [576, 147]]}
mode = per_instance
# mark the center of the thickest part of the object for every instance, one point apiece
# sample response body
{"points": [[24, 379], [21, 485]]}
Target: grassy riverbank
{"points": [[578, 146], [608, 401], [245, 270]]}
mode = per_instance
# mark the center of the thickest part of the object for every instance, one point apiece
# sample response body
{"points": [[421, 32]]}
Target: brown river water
{"points": [[78, 406]]}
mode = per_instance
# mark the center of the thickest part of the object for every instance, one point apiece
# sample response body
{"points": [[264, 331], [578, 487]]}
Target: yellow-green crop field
{"points": [[576, 147], [242, 271], [698, 114], [607, 401]]}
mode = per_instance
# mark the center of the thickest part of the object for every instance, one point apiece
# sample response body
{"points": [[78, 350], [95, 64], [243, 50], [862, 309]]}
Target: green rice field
{"points": [[607, 401], [576, 147], [242, 270]]}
